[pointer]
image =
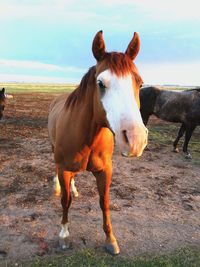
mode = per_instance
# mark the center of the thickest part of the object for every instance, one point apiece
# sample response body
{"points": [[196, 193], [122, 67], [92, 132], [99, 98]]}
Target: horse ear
{"points": [[133, 47], [98, 46]]}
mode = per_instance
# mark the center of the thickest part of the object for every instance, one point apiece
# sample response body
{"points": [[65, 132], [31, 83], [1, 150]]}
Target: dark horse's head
{"points": [[2, 102]]}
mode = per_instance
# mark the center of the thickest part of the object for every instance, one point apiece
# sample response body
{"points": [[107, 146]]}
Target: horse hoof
{"points": [[64, 244], [112, 248], [188, 156], [176, 150]]}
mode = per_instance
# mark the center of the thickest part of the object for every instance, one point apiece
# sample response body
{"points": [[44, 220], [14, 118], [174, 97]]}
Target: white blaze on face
{"points": [[120, 105]]}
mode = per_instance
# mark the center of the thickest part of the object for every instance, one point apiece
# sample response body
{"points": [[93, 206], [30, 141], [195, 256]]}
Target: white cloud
{"points": [[151, 73], [34, 65], [34, 79], [15, 9], [157, 9], [170, 73], [27, 64]]}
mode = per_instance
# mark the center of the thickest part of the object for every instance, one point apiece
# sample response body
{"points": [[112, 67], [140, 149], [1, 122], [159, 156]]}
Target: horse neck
{"points": [[148, 102], [83, 114]]}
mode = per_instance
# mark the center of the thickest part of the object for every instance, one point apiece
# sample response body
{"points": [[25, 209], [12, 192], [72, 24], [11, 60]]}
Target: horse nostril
{"points": [[125, 136]]}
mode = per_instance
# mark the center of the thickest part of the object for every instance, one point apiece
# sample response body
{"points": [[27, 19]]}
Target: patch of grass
{"points": [[165, 134], [186, 257], [162, 134], [14, 88]]}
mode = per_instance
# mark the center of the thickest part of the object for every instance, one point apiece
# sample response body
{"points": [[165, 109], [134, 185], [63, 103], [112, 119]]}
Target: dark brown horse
{"points": [[173, 106], [82, 126], [2, 102]]}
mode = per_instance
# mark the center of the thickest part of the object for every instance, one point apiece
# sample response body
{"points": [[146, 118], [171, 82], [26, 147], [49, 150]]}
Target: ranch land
{"points": [[155, 199]]}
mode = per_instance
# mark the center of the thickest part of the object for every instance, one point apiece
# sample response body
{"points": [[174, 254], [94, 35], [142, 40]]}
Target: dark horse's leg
{"points": [[65, 180], [188, 135], [180, 134], [103, 179]]}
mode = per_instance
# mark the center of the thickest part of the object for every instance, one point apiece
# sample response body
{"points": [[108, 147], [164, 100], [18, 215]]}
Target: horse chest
{"points": [[73, 161]]}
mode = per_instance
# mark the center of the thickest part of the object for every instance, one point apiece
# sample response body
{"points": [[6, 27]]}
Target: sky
{"points": [[50, 41]]}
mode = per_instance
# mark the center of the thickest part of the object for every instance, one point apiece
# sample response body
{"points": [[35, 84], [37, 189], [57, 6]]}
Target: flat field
{"points": [[155, 199]]}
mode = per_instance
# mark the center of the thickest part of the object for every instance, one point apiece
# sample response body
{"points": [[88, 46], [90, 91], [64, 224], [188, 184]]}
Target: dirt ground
{"points": [[155, 200]]}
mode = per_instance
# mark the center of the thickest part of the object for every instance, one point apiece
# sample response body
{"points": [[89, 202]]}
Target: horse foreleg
{"points": [[65, 180], [188, 135], [103, 179], [180, 134]]}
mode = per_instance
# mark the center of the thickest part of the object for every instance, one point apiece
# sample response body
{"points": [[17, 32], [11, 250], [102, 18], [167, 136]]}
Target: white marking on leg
{"points": [[56, 186], [64, 231], [73, 188]]}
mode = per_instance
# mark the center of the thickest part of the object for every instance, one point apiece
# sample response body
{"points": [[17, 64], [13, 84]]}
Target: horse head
{"points": [[2, 102], [117, 100]]}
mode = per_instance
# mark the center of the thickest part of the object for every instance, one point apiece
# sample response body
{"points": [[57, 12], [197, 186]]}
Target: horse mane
{"points": [[118, 63], [78, 94]]}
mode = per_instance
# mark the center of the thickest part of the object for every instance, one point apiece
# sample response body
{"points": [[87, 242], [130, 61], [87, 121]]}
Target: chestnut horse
{"points": [[2, 101], [82, 126]]}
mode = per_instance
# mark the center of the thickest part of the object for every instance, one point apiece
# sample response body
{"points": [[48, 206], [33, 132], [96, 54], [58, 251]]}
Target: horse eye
{"points": [[102, 86]]}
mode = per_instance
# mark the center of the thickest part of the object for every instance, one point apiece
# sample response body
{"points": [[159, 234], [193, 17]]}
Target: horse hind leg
{"points": [[103, 179], [188, 135], [57, 190], [73, 187], [65, 180], [180, 134]]}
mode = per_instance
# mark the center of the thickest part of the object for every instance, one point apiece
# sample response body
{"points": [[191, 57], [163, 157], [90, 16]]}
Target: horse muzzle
{"points": [[136, 140]]}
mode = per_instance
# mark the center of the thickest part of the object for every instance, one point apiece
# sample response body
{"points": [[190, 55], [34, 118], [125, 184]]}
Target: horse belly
{"points": [[171, 112]]}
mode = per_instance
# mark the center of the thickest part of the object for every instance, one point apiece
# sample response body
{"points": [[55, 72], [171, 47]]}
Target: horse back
{"points": [[175, 106]]}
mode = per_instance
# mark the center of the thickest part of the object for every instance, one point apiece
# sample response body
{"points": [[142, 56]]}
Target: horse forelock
{"points": [[121, 65]]}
